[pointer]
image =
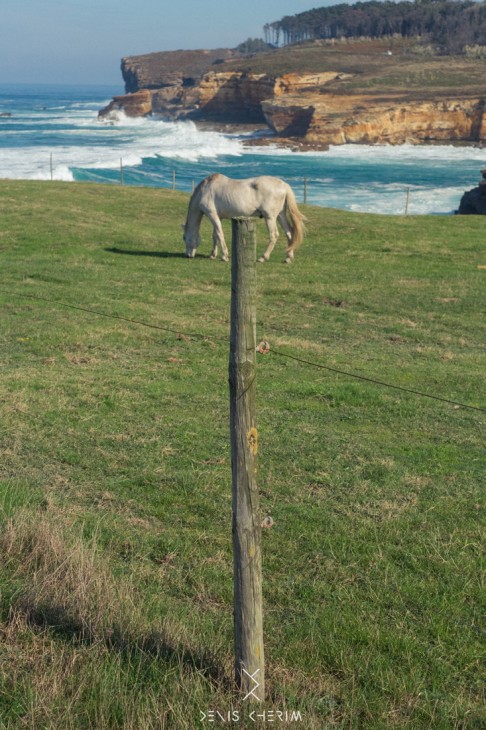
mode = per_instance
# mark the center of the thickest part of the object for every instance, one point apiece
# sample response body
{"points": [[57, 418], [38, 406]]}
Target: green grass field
{"points": [[115, 473]]}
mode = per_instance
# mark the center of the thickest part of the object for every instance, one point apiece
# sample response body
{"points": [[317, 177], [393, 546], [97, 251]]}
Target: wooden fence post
{"points": [[246, 521]]}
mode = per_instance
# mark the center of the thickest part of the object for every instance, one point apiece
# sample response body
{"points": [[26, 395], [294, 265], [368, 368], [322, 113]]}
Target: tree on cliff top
{"points": [[451, 24]]}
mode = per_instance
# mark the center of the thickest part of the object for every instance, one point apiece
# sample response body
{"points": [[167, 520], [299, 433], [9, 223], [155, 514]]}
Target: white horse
{"points": [[218, 196]]}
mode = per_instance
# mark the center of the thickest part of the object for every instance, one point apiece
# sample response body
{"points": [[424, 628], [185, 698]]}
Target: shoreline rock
{"points": [[138, 104], [473, 202]]}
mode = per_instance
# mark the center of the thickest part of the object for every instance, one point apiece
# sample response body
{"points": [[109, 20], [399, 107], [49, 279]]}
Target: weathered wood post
{"points": [[246, 522]]}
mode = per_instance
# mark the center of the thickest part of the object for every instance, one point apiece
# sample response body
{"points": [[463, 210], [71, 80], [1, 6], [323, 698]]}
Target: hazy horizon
{"points": [[60, 42]]}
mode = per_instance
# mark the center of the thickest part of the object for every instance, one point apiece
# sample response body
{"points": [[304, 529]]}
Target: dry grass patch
{"points": [[66, 587], [75, 638]]}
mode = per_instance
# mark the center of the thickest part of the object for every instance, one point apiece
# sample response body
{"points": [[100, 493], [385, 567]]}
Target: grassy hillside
{"points": [[115, 478], [407, 70]]}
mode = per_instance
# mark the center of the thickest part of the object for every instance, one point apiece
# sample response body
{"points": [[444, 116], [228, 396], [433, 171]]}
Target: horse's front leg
{"points": [[273, 235], [218, 237], [214, 251]]}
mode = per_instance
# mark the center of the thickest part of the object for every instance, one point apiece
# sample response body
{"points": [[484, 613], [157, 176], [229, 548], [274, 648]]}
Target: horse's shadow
{"points": [[155, 254]]}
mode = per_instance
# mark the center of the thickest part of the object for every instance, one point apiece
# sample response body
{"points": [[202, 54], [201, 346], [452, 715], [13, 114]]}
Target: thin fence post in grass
{"points": [[121, 171], [246, 522], [407, 201]]}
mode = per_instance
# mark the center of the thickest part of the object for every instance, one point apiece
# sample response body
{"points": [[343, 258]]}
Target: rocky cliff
{"points": [[170, 68], [313, 109], [371, 119]]}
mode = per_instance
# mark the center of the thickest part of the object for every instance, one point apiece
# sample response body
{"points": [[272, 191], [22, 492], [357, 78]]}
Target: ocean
{"points": [[53, 131]]}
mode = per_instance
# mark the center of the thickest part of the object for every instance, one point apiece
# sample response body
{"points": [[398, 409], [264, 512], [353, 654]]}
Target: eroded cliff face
{"points": [[369, 119], [234, 96], [310, 109]]}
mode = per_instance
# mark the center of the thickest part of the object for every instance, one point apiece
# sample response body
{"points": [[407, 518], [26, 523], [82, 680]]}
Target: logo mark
{"points": [[251, 693]]}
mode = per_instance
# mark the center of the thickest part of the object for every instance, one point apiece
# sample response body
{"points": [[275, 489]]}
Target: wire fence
{"points": [[279, 353], [169, 181]]}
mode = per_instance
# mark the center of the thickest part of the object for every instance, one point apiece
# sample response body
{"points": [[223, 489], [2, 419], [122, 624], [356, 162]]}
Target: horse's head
{"points": [[192, 240]]}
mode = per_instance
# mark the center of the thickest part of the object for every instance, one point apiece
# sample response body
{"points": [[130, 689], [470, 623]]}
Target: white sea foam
{"points": [[34, 164], [408, 152], [393, 200], [130, 140]]}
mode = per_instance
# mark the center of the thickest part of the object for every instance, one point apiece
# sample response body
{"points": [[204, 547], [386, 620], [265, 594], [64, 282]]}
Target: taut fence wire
{"points": [[172, 330], [279, 353]]}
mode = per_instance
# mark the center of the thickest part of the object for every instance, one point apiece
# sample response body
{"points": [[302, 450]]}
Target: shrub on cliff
{"points": [[254, 45]]}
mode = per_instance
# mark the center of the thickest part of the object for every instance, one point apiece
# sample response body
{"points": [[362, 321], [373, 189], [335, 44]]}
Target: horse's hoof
{"points": [[225, 259], [288, 261], [261, 260]]}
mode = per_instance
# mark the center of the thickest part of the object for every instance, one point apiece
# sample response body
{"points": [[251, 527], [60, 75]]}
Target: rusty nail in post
{"points": [[263, 347]]}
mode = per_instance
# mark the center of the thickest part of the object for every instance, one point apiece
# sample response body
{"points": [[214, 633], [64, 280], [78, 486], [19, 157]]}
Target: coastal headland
{"points": [[314, 94]]}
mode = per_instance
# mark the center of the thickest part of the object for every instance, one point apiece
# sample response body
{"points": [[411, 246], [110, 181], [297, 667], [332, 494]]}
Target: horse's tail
{"points": [[296, 220]]}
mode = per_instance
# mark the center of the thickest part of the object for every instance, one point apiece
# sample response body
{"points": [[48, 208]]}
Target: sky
{"points": [[83, 41]]}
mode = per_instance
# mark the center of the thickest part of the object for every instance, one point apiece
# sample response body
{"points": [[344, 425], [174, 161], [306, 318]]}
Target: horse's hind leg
{"points": [[273, 234], [288, 232]]}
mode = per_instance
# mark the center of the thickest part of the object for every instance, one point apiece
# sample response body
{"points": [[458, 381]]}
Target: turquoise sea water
{"points": [[56, 128]]}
